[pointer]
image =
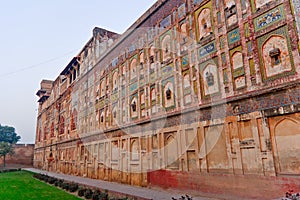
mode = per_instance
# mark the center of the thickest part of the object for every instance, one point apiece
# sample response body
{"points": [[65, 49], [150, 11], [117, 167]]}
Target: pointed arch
{"points": [[102, 88], [62, 125], [115, 81], [275, 55], [101, 116], [186, 81], [287, 137], [52, 130], [166, 47], [142, 58], [171, 150], [114, 115], [153, 94], [133, 69], [134, 149], [133, 107], [45, 132], [169, 96], [284, 123], [237, 60], [204, 23], [151, 55], [74, 120], [210, 79]]}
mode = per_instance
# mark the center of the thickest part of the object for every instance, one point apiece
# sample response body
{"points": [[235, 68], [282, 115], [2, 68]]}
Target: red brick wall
{"points": [[23, 156], [238, 186]]}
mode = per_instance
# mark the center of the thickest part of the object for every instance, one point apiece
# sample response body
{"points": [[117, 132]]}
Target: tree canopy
{"points": [[8, 134]]}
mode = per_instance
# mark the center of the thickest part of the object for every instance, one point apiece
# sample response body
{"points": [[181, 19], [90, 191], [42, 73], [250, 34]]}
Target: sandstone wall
{"points": [[23, 156]]}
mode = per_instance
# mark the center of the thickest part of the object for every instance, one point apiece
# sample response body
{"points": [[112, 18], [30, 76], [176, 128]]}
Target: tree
{"points": [[8, 134], [5, 149], [8, 137]]}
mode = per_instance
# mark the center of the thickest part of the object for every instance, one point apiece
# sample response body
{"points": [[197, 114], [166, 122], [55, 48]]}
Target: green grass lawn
{"points": [[21, 185]]}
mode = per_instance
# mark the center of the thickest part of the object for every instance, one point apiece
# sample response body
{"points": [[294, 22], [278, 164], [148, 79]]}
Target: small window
{"points": [[275, 56], [151, 59], [71, 79], [209, 78], [115, 114], [204, 24], [101, 119], [168, 94], [133, 106]]}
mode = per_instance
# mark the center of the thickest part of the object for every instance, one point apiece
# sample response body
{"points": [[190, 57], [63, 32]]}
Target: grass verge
{"points": [[21, 185]]}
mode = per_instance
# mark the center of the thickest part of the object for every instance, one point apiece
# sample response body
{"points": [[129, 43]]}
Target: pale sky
{"points": [[39, 38]]}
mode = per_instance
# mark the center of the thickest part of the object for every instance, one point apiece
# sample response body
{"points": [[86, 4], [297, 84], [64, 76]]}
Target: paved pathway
{"points": [[135, 191]]}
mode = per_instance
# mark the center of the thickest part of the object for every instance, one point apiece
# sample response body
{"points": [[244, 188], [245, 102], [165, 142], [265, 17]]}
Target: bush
{"points": [[51, 180], [104, 196], [60, 183], [88, 193], [66, 186], [56, 183], [81, 192], [96, 195], [41, 177], [73, 187]]}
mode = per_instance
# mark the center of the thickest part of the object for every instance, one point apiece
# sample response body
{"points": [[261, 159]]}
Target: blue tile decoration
{"points": [[181, 11], [133, 86], [234, 36], [167, 70], [269, 18], [165, 22], [207, 49], [115, 62], [184, 61]]}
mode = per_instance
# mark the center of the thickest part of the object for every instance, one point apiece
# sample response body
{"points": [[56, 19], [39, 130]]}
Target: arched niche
{"points": [[237, 60], [133, 70], [168, 91], [166, 47], [134, 149], [171, 151], [287, 137], [275, 55], [133, 107], [204, 23], [210, 79], [115, 81]]}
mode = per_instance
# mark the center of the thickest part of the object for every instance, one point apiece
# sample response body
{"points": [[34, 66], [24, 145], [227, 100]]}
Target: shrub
{"points": [[96, 195], [56, 183], [11, 170], [41, 177], [73, 187], [88, 193], [81, 192], [51, 180], [60, 183], [104, 196], [66, 186]]}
